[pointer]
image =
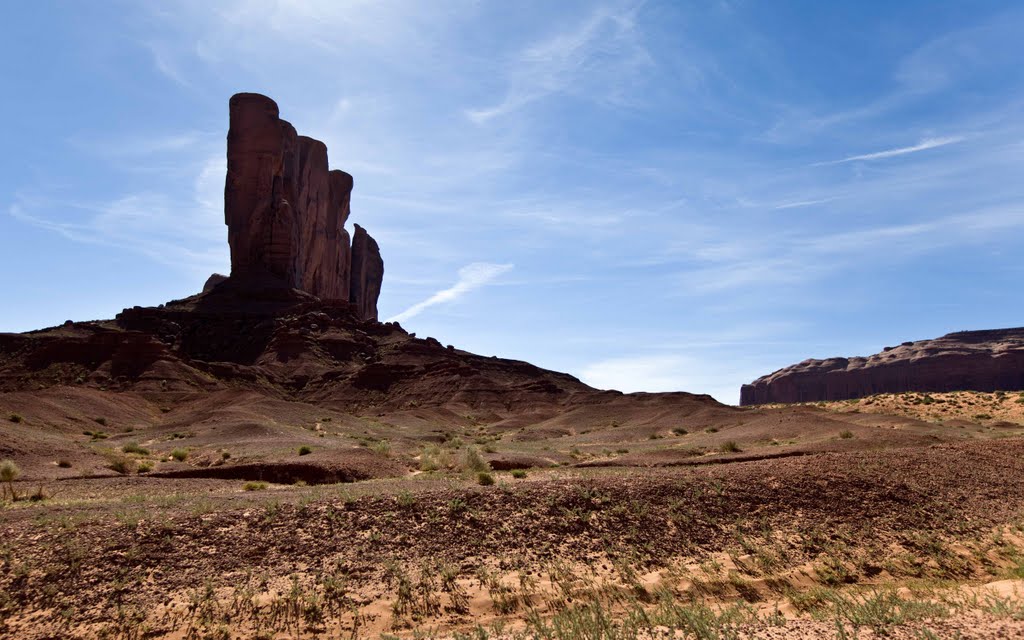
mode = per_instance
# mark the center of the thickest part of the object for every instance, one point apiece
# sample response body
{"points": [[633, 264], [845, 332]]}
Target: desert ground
{"points": [[234, 515]]}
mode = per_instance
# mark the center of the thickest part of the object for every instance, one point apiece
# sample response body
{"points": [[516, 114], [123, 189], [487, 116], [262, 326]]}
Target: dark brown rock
{"points": [[285, 210], [367, 274], [965, 361], [213, 281]]}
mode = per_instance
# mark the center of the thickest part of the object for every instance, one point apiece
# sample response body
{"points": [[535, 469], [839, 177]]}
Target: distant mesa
{"points": [[990, 360], [286, 212]]}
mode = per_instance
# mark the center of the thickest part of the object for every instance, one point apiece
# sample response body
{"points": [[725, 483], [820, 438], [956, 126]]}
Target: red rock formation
{"points": [[968, 360], [367, 274], [213, 281], [285, 210]]}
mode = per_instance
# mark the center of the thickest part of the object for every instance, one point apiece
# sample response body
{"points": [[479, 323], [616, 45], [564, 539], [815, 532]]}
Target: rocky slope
{"points": [[967, 360]]}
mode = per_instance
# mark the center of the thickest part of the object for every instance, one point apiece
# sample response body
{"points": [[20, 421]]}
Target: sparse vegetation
{"points": [[100, 421], [64, 464], [711, 430], [729, 446], [9, 472], [484, 478], [473, 462], [179, 454], [122, 465], [16, 418], [381, 447], [145, 466], [679, 431], [133, 447], [846, 434], [519, 473], [305, 450], [435, 458], [254, 486]]}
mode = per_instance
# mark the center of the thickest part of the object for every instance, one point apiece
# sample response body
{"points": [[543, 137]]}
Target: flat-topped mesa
{"points": [[990, 360], [286, 211]]}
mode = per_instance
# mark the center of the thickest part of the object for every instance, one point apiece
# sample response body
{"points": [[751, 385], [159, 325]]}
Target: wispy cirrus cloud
{"points": [[595, 57], [185, 232], [924, 145], [472, 276], [788, 258]]}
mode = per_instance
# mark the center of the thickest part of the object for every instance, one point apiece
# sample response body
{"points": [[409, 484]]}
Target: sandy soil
{"points": [[882, 541]]}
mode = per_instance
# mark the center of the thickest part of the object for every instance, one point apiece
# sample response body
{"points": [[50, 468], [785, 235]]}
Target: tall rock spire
{"points": [[286, 211]]}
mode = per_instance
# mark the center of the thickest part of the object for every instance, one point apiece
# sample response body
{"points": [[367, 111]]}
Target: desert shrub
{"points": [[96, 435], [654, 436], [982, 416], [846, 434], [711, 430], [123, 465], [133, 447], [64, 464], [179, 454], [305, 450], [518, 473], [484, 478], [729, 447], [406, 499], [679, 431], [254, 486], [145, 466], [383, 447], [16, 417], [622, 451], [100, 421], [224, 455], [434, 458], [472, 461], [39, 495], [9, 472]]}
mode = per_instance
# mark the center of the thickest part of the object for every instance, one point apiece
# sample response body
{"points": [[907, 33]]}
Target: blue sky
{"points": [[649, 195]]}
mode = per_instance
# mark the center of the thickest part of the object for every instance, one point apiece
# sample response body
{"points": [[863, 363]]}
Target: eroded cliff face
{"points": [[367, 274], [989, 360], [286, 210]]}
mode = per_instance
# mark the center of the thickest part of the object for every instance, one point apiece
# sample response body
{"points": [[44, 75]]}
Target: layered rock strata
{"points": [[989, 360]]}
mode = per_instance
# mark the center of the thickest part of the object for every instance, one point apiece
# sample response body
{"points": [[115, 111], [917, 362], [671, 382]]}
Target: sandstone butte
{"points": [[286, 211], [990, 360]]}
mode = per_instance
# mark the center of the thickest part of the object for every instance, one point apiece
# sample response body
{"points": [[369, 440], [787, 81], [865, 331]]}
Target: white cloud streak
{"points": [[924, 145], [472, 276]]}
